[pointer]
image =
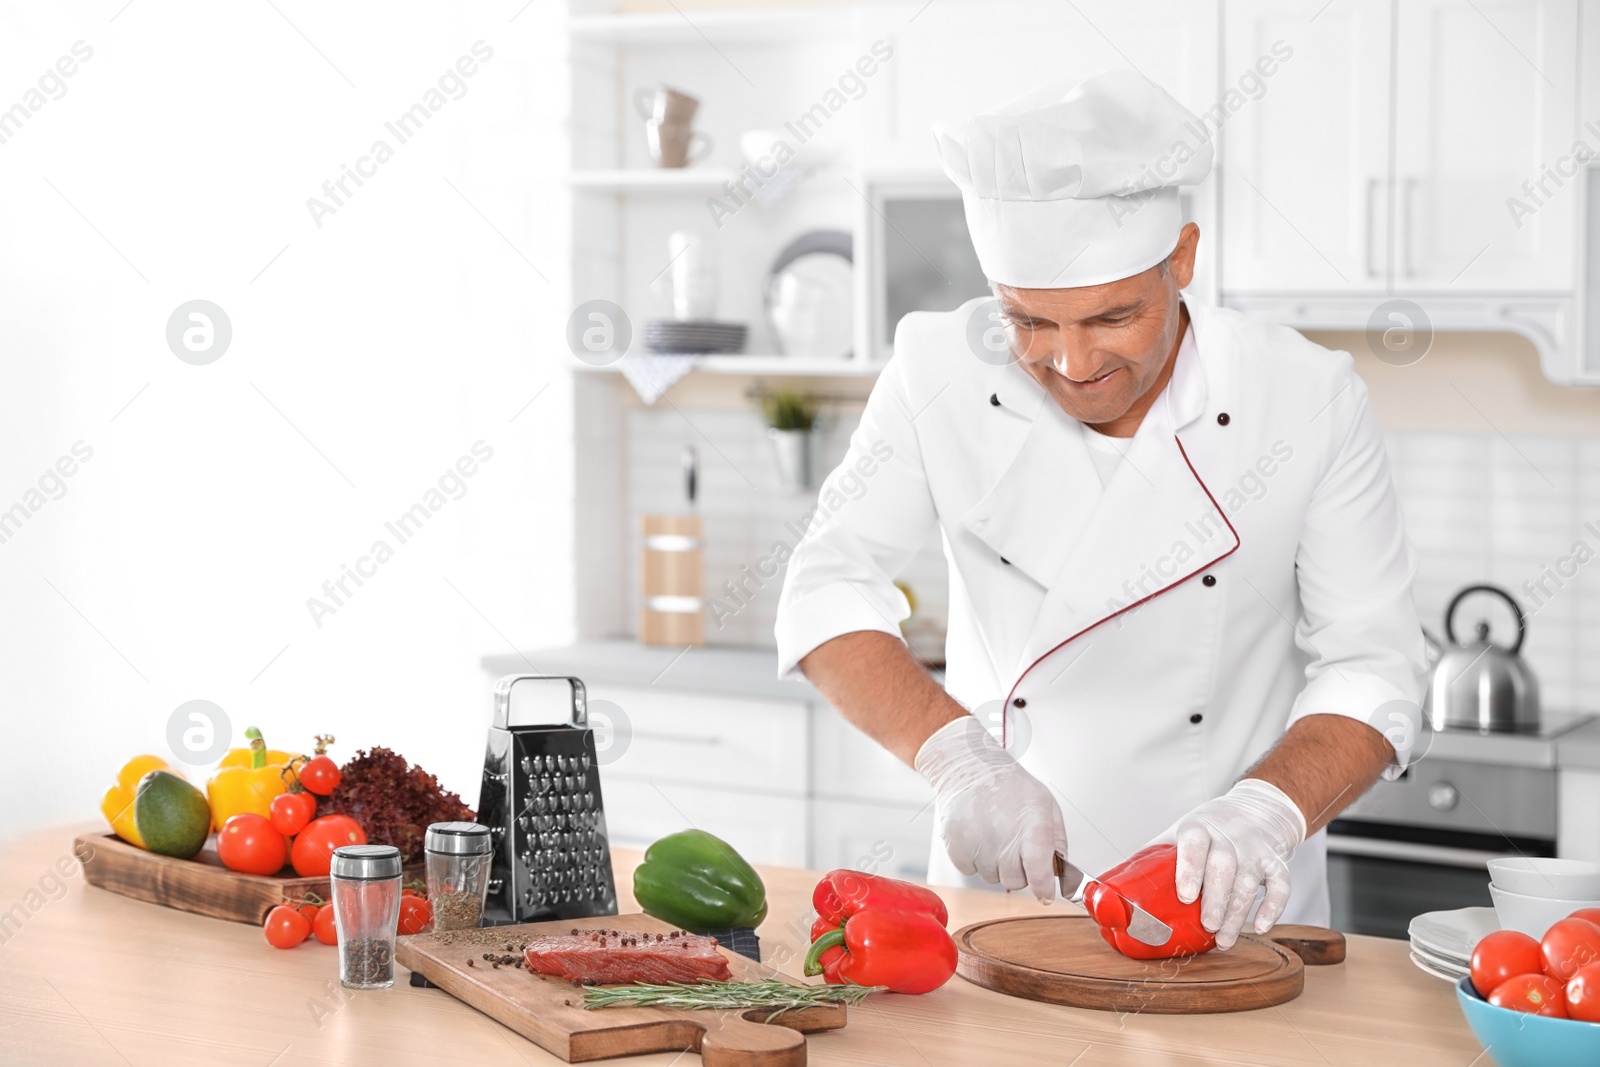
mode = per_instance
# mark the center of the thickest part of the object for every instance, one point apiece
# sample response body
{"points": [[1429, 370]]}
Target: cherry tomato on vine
{"points": [[320, 775], [285, 927], [309, 910], [323, 927], [292, 811]]}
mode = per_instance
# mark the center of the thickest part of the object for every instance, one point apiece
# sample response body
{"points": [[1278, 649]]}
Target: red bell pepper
{"points": [[1148, 878], [842, 893], [876, 931]]}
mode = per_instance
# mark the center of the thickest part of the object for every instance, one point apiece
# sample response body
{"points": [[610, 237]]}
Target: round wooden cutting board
{"points": [[1062, 959]]}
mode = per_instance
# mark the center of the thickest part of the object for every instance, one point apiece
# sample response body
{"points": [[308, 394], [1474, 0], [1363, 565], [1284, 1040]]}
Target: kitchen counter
{"points": [[738, 672], [1579, 748], [88, 977]]}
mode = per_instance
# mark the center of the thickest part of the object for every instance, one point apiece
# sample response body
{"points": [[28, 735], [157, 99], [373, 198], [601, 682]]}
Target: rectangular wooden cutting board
{"points": [[201, 885], [549, 1011]]}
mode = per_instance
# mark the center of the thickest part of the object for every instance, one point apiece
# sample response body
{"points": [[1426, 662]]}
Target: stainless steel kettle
{"points": [[1481, 685]]}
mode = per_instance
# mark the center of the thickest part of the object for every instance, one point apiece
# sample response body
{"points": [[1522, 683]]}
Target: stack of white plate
{"points": [[702, 336], [1442, 941]]}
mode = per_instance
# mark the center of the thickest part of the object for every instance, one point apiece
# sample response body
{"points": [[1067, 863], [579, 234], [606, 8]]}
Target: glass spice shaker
{"points": [[366, 913], [458, 857]]}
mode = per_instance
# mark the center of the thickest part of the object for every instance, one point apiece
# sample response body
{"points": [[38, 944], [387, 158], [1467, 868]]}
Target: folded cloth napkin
{"points": [[652, 374]]}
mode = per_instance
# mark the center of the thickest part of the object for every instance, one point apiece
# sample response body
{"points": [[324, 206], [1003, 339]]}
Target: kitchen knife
{"points": [[1142, 926]]}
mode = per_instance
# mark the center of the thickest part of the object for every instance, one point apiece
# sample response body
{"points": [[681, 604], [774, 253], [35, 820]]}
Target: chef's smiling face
{"points": [[1103, 352]]}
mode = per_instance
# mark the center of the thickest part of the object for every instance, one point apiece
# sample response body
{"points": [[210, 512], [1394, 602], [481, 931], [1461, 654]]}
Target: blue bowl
{"points": [[1518, 1039]]}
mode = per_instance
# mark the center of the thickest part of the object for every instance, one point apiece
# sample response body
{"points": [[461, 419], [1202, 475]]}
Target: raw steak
{"points": [[615, 957]]}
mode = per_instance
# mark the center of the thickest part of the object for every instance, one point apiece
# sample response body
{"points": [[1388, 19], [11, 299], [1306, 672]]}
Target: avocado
{"points": [[171, 815]]}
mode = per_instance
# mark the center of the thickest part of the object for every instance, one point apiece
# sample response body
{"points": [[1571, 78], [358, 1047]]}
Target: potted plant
{"points": [[791, 423]]}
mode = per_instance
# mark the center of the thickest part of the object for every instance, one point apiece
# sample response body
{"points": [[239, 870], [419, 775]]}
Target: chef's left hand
{"points": [[1230, 847]]}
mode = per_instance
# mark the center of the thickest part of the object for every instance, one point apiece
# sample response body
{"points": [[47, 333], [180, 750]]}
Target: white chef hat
{"points": [[1069, 188]]}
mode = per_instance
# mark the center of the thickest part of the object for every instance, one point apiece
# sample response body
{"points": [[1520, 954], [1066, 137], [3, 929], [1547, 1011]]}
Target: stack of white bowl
{"points": [[1531, 893]]}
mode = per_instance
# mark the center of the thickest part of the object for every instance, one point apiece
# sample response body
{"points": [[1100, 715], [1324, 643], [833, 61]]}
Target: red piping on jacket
{"points": [[1005, 708]]}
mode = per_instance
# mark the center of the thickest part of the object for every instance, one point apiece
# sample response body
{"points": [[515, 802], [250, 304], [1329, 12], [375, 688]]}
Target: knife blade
{"points": [[1142, 926]]}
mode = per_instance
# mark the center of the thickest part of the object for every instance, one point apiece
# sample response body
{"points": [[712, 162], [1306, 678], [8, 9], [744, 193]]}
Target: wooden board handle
{"points": [[1315, 945], [734, 1041]]}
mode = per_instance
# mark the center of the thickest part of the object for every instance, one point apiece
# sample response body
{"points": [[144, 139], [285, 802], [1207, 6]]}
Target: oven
{"points": [[1420, 842]]}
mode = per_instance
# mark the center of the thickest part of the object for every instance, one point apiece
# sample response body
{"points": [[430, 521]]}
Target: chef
{"points": [[1180, 590]]}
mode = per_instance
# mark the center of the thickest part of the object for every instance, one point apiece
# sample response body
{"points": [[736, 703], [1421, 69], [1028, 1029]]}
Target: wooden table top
{"points": [[90, 977]]}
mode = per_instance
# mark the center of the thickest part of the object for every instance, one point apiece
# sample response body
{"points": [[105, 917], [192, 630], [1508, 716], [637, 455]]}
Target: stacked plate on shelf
{"points": [[694, 336], [1442, 941]]}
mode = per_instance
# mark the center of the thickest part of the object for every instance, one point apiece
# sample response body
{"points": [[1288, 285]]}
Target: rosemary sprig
{"points": [[709, 995]]}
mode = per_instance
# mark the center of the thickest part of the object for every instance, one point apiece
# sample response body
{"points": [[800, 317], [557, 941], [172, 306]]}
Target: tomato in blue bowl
{"points": [[1520, 1039]]}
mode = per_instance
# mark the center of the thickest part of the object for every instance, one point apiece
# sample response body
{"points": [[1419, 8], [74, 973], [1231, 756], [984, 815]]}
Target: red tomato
{"points": [[1536, 993], [1568, 945], [285, 926], [1501, 955], [292, 811], [248, 843], [324, 926], [313, 849], [1583, 993], [415, 914], [320, 775], [309, 910], [1592, 914]]}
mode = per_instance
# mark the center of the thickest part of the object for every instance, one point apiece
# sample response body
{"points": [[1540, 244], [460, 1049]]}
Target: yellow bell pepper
{"points": [[238, 788], [246, 757], [117, 803]]}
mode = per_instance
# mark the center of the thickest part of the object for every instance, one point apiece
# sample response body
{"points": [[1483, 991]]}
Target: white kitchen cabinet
{"points": [[785, 781], [1305, 145], [667, 735], [764, 828], [1485, 107], [876, 837], [1585, 350], [1483, 99], [869, 811], [848, 763]]}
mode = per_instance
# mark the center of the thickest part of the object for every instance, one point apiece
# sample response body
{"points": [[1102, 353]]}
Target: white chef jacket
{"points": [[1244, 566]]}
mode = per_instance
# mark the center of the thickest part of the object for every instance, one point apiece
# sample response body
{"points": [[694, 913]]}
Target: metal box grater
{"points": [[541, 801]]}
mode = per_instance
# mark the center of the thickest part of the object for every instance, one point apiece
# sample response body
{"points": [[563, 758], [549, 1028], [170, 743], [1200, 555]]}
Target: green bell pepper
{"points": [[698, 882]]}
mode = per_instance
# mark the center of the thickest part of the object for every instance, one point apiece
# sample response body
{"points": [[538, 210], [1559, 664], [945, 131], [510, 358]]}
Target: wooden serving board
{"points": [[201, 884], [1062, 959], [549, 1011]]}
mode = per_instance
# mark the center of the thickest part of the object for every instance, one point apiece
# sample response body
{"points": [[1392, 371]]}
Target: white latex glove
{"points": [[996, 820], [1230, 847]]}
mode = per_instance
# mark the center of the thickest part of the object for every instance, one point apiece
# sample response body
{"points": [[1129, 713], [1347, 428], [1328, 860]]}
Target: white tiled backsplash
{"points": [[1511, 511], [744, 510], [1521, 512]]}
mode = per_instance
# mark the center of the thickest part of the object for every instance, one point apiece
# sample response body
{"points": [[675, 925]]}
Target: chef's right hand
{"points": [[996, 820]]}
